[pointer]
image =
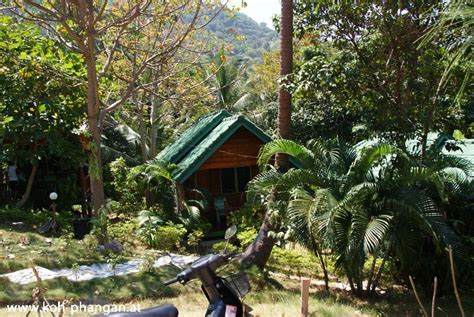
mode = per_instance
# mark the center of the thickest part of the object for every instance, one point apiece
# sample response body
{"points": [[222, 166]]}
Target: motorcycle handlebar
{"points": [[213, 262], [171, 281]]}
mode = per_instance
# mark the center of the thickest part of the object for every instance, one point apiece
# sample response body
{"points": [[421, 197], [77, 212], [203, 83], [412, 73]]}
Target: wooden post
{"points": [[304, 296], [453, 275], [180, 196], [433, 301], [423, 310]]}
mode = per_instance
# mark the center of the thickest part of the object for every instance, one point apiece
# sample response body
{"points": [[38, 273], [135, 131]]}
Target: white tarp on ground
{"points": [[89, 272]]}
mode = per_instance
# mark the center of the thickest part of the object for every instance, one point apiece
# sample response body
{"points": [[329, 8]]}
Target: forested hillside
{"points": [[247, 37]]}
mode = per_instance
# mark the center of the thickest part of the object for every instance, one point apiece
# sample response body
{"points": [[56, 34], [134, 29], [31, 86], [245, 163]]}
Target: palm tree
{"points": [[120, 140], [378, 202], [259, 251], [227, 78], [286, 68]]}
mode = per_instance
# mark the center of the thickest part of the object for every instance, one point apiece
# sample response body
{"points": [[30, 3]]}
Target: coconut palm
{"points": [[378, 203]]}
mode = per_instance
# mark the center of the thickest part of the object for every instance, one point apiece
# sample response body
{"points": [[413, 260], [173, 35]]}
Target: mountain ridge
{"points": [[247, 37]]}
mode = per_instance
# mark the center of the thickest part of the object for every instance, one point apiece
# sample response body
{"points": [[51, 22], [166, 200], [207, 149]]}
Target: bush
{"points": [[124, 231], [246, 237], [100, 224], [194, 238], [221, 247], [249, 216], [293, 262], [90, 245], [127, 189], [166, 237]]}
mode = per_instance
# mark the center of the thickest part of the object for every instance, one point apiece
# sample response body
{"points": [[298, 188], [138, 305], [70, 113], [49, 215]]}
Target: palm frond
{"points": [[375, 232], [304, 155], [359, 192], [442, 161], [422, 175], [245, 101], [159, 168], [342, 237], [110, 154], [412, 203], [301, 214], [368, 159], [264, 180]]}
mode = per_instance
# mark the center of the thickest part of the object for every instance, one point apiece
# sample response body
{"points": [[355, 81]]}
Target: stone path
{"points": [[86, 272]]}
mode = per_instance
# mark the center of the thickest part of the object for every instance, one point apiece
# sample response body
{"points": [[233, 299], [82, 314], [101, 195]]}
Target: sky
{"points": [[260, 10]]}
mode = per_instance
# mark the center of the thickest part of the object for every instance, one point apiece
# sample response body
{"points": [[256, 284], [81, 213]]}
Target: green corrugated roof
{"points": [[175, 151], [203, 138]]}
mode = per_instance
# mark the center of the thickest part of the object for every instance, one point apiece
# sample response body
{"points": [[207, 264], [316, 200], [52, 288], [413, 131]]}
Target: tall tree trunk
{"points": [[143, 147], [141, 129], [29, 185], [427, 125], [259, 251], [153, 130], [155, 101], [286, 68], [95, 159]]}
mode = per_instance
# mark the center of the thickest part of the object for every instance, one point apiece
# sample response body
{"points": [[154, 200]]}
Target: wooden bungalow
{"points": [[217, 156]]}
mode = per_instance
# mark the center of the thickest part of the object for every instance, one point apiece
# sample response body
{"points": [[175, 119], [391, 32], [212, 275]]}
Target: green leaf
{"points": [[7, 119], [23, 55], [13, 46], [458, 135]]}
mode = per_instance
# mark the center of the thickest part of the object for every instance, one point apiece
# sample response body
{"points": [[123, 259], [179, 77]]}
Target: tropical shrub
{"points": [[224, 247], [124, 231], [158, 234], [293, 262], [194, 238], [168, 237], [380, 202], [127, 190], [248, 216], [190, 216], [90, 245], [148, 220], [100, 224], [155, 183], [246, 237]]}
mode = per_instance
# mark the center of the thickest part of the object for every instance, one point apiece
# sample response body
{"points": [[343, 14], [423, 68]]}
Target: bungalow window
{"points": [[234, 179], [228, 180]]}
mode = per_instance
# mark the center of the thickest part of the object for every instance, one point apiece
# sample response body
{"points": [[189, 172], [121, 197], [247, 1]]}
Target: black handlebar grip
{"points": [[169, 282]]}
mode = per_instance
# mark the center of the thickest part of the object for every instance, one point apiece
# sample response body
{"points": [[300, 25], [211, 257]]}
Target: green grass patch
{"points": [[280, 295], [19, 250], [139, 286]]}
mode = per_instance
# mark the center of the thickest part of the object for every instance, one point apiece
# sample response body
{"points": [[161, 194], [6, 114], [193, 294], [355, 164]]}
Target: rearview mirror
{"points": [[230, 232]]}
